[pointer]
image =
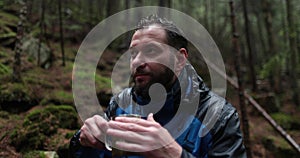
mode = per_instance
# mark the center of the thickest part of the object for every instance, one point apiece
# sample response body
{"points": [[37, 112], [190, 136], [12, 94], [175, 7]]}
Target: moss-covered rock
{"points": [[41, 124], [16, 97]]}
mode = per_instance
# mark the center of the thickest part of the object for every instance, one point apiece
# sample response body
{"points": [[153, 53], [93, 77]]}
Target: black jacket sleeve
{"points": [[186, 154], [227, 139]]}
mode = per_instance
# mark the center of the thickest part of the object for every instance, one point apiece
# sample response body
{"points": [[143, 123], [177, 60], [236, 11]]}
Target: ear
{"points": [[181, 58]]}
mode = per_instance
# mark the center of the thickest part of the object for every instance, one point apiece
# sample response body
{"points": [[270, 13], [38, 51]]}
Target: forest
{"points": [[259, 42]]}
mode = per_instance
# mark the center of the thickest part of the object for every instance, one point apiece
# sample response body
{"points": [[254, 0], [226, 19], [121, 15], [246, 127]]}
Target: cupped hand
{"points": [[146, 137], [93, 132]]}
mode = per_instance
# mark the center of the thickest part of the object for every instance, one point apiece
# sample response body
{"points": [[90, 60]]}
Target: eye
{"points": [[133, 53], [150, 50]]}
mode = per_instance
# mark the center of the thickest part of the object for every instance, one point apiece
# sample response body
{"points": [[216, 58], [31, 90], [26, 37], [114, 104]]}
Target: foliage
{"points": [[269, 68], [8, 23], [5, 69]]}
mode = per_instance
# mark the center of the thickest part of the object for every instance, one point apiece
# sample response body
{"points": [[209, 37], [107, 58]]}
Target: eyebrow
{"points": [[149, 44]]}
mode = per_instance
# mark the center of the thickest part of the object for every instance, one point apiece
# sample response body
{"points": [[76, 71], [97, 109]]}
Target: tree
{"points": [[293, 50], [18, 46], [236, 51], [275, 76], [249, 45], [42, 31], [61, 33]]}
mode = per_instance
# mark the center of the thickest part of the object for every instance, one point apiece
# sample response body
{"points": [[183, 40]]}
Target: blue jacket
{"points": [[203, 123]]}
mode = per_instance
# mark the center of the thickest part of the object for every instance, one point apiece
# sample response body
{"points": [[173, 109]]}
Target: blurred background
{"points": [[259, 42]]}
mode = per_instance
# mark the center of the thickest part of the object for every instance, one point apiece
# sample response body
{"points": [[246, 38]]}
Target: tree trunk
{"points": [[262, 42], [249, 45], [164, 3], [236, 51], [61, 33], [42, 32], [16, 76], [275, 78], [206, 16], [112, 7], [293, 50], [284, 26]]}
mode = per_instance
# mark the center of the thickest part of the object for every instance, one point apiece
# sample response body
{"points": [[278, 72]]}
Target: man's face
{"points": [[149, 53]]}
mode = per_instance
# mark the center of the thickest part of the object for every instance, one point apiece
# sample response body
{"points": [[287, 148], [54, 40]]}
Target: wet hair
{"points": [[174, 35]]}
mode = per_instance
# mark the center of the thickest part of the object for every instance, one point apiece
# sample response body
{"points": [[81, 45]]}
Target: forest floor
{"points": [[265, 141]]}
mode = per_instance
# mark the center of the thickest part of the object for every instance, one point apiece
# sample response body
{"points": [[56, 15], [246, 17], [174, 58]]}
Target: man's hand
{"points": [[93, 132], [147, 137]]}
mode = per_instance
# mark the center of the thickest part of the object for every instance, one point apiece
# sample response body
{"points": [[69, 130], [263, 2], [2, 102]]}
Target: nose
{"points": [[139, 60]]}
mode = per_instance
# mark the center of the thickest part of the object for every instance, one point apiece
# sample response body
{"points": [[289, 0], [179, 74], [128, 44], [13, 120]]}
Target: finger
{"points": [[128, 136], [127, 126], [85, 136], [142, 122], [96, 126], [150, 117], [132, 147], [88, 139]]}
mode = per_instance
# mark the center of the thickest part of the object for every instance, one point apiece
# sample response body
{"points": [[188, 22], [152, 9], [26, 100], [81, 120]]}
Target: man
{"points": [[159, 55]]}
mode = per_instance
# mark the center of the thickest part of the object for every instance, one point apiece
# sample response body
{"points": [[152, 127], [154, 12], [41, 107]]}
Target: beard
{"points": [[165, 78]]}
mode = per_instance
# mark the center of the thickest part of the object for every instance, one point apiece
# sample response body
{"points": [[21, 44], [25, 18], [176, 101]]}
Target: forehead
{"points": [[152, 33]]}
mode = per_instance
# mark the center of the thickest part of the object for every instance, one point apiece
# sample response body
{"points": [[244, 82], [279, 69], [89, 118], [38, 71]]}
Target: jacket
{"points": [[203, 123]]}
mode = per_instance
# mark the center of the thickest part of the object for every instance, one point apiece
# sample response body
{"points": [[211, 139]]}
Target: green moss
{"points": [[102, 82], [41, 124], [14, 91], [33, 80], [69, 135], [279, 146], [286, 121], [4, 115], [34, 154], [3, 54], [16, 97], [5, 69], [58, 97]]}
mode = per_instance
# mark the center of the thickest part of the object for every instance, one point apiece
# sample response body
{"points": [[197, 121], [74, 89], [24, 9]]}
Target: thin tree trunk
{"points": [[249, 45], [127, 37], [61, 33], [42, 33], [112, 7], [269, 27], [16, 76], [293, 50], [164, 3], [206, 17], [213, 17], [275, 78], [236, 51], [285, 36], [261, 38]]}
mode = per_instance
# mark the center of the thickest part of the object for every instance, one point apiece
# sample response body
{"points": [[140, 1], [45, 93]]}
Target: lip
{"points": [[141, 76]]}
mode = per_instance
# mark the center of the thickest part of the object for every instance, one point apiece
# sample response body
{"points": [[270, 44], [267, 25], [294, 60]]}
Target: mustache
{"points": [[140, 71]]}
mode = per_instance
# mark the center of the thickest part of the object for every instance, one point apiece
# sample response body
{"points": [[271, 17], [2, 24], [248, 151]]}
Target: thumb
{"points": [[150, 117]]}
